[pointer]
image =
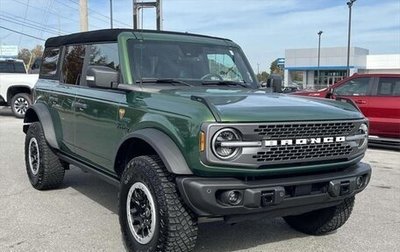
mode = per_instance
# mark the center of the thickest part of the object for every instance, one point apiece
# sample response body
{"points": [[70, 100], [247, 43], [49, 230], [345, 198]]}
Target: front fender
{"points": [[165, 148], [39, 112]]}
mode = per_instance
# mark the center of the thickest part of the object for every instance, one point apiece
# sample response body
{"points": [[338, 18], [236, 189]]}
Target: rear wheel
{"points": [[20, 103], [322, 221], [151, 213], [45, 170]]}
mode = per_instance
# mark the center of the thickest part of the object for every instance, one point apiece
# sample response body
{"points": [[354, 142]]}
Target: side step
{"points": [[88, 168]]}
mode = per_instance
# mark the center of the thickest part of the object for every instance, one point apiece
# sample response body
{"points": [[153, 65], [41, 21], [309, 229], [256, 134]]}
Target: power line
{"points": [[35, 27], [29, 21], [22, 33], [101, 14]]}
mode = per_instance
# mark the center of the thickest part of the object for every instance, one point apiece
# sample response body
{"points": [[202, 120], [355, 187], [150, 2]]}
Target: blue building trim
{"points": [[315, 68]]}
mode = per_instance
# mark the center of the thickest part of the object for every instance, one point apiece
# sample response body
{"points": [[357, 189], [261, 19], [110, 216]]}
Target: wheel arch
{"points": [[151, 141], [16, 89], [38, 112]]}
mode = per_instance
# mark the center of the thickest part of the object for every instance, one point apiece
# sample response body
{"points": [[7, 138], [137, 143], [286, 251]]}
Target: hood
{"points": [[244, 105]]}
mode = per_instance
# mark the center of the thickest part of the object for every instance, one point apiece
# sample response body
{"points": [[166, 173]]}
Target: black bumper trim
{"points": [[200, 193]]}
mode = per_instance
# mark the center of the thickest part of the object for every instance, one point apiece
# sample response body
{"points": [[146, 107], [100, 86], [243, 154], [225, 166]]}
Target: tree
{"points": [[29, 56], [275, 69], [25, 55], [263, 76]]}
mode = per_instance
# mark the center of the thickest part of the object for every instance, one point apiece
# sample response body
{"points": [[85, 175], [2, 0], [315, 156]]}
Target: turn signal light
{"points": [[202, 141]]}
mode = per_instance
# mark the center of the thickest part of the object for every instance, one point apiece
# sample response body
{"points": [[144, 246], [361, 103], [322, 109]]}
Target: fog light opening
{"points": [[360, 182], [232, 197]]}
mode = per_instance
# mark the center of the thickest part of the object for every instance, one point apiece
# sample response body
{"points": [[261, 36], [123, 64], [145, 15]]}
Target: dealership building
{"points": [[301, 65]]}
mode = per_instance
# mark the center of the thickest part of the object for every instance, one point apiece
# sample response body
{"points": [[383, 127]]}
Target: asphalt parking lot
{"points": [[82, 215]]}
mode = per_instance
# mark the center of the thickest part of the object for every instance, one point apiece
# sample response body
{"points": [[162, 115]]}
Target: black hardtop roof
{"points": [[106, 35]]}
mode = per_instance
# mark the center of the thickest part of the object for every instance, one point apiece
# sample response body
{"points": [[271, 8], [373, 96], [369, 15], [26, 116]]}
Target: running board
{"points": [[88, 168]]}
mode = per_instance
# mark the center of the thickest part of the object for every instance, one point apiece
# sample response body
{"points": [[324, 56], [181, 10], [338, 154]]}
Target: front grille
{"points": [[302, 153], [282, 144], [300, 130]]}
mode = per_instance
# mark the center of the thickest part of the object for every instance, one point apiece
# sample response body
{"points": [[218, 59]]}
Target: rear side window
{"points": [[19, 67], [73, 63], [50, 62], [388, 87], [354, 87], [104, 55], [12, 67]]}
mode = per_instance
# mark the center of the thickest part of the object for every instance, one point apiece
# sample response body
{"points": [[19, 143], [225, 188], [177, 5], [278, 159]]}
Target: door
{"points": [[358, 90], [63, 99], [384, 108], [96, 131]]}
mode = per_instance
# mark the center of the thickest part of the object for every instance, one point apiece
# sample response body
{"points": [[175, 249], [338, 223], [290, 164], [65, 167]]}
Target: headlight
{"points": [[363, 130], [223, 136]]}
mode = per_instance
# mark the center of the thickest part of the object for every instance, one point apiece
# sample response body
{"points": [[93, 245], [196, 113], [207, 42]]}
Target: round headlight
{"points": [[223, 136]]}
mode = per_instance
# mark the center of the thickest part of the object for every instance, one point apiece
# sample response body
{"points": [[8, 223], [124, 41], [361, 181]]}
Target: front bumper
{"points": [[274, 197]]}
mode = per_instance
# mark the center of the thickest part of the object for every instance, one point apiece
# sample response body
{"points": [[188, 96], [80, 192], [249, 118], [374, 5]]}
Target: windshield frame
{"points": [[242, 65]]}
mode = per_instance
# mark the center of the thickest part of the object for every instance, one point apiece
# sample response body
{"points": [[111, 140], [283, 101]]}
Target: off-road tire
{"points": [[24, 98], [322, 221], [50, 173], [176, 226]]}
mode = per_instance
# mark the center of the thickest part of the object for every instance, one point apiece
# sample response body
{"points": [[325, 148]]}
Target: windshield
{"points": [[197, 64]]}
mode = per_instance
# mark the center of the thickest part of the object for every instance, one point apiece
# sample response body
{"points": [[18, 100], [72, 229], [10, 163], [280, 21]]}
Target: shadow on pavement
{"points": [[213, 236], [5, 111]]}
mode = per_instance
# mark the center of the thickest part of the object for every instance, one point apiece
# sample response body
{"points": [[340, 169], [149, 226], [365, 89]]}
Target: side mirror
{"points": [[101, 76]]}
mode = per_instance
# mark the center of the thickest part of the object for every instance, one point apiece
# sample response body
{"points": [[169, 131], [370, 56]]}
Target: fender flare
{"points": [[166, 149], [41, 112]]}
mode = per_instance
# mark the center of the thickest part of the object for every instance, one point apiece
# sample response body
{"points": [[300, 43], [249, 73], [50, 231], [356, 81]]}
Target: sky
{"points": [[263, 28]]}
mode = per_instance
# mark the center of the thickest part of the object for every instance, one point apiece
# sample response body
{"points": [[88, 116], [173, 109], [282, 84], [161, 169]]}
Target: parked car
{"points": [[177, 121], [377, 96], [16, 86]]}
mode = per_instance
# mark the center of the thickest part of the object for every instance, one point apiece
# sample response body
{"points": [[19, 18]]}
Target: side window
{"points": [[104, 55], [19, 67], [6, 67], [73, 63], [388, 87], [354, 87], [49, 62]]}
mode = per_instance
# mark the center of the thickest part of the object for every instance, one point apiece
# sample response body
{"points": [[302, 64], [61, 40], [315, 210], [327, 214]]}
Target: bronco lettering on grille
{"points": [[302, 141]]}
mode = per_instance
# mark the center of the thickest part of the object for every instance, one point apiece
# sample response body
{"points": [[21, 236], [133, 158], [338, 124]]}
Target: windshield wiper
{"points": [[163, 80], [225, 83]]}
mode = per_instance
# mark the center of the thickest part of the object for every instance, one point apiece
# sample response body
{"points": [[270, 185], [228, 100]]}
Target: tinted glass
{"points": [[104, 55], [50, 61], [19, 67], [354, 87], [6, 67], [192, 62], [73, 63], [389, 87], [12, 67]]}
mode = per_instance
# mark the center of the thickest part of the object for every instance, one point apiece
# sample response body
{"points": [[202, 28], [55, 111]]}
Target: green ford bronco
{"points": [[179, 123]]}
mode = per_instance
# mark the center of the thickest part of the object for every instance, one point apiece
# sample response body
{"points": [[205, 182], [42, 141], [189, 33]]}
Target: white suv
{"points": [[16, 86]]}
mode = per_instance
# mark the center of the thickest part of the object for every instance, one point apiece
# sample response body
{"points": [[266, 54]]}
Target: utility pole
{"points": [[319, 56], [137, 6], [111, 15], [83, 9], [349, 4]]}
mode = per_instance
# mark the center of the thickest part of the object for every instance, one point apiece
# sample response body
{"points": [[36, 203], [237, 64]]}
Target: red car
{"points": [[377, 96]]}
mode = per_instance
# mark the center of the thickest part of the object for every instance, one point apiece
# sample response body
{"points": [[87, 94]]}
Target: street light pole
{"points": [[319, 56], [349, 4], [111, 14]]}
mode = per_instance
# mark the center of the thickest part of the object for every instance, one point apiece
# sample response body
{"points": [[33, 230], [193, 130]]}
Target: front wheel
{"points": [[322, 221], [45, 170], [20, 103], [151, 213]]}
